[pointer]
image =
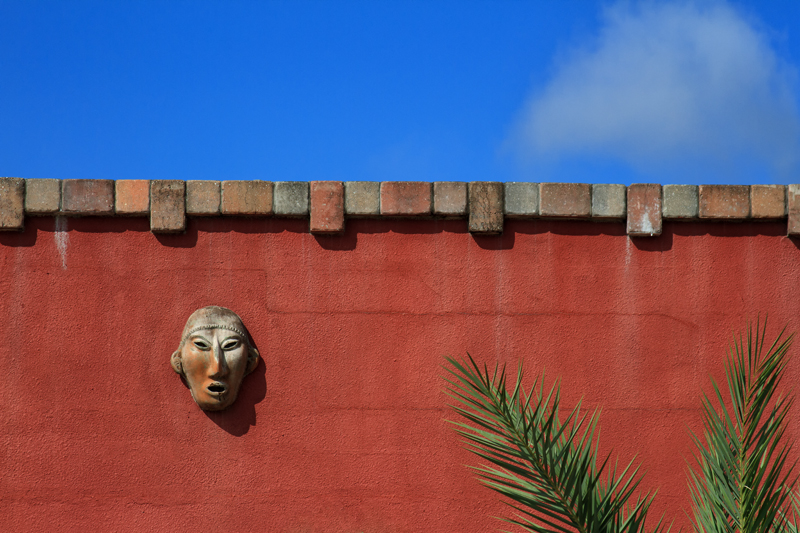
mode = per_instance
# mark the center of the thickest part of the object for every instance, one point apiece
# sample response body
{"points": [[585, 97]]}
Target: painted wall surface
{"points": [[342, 427]]}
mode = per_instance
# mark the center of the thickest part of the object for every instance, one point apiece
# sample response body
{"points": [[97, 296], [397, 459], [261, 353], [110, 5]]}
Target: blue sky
{"points": [[581, 91]]}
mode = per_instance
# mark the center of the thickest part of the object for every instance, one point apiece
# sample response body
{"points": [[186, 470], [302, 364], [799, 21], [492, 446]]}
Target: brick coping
{"points": [[328, 204]]}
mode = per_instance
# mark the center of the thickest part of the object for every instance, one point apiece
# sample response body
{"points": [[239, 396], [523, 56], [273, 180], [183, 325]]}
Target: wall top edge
{"points": [[393, 181], [327, 204]]}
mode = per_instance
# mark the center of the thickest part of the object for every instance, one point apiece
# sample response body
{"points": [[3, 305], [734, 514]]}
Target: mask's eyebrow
{"points": [[214, 326]]}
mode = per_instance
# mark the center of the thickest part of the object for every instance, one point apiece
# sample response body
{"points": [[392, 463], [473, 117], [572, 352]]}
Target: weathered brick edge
{"points": [[327, 204]]}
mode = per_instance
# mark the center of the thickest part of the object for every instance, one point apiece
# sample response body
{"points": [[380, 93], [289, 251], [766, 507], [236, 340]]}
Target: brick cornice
{"points": [[328, 204]]}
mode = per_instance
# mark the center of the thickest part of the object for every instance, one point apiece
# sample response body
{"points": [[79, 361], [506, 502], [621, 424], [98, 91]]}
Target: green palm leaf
{"points": [[744, 481], [547, 466]]}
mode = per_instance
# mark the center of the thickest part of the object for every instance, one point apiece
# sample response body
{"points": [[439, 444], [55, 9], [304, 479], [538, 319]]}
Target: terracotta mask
{"points": [[214, 356]]}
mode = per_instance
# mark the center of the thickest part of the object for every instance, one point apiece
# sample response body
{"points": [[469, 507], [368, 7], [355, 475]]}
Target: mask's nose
{"points": [[218, 365]]}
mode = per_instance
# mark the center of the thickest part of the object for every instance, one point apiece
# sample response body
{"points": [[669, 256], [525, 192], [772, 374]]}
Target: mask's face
{"points": [[214, 359]]}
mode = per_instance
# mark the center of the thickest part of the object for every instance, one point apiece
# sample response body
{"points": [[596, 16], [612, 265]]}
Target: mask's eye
{"points": [[200, 344], [230, 344]]}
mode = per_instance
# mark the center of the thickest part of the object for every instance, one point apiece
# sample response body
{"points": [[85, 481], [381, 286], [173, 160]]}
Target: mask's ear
{"points": [[252, 359], [175, 361]]}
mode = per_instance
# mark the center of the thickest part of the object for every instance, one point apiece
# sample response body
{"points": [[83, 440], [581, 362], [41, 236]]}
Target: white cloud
{"points": [[670, 86]]}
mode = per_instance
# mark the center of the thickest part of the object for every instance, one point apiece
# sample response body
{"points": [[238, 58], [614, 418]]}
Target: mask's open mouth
{"points": [[217, 388]]}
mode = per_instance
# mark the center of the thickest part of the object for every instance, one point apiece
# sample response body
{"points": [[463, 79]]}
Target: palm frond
{"points": [[744, 481], [547, 466]]}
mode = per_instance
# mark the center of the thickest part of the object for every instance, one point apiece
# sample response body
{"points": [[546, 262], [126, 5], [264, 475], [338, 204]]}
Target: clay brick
{"points": [[202, 198], [679, 201], [327, 207], [644, 209], [450, 198], [291, 198], [247, 197], [793, 208], [87, 197], [725, 201], [405, 198], [42, 197], [608, 200], [521, 199], [132, 197], [768, 201], [573, 200], [485, 207], [12, 199], [362, 197], [167, 206]]}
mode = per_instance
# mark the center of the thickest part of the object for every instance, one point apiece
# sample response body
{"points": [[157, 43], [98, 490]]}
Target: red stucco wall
{"points": [[342, 427]]}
